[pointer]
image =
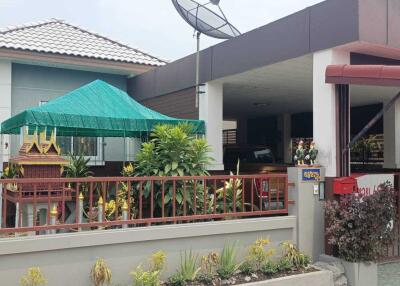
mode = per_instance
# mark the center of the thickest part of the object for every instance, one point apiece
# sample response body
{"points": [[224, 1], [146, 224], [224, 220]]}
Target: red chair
{"points": [[263, 192]]}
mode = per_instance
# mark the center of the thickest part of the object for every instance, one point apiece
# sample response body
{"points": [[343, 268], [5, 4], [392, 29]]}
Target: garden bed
{"points": [[241, 278]]}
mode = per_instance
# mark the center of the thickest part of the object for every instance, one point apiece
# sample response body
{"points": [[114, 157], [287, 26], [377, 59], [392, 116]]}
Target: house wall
{"points": [[32, 84], [66, 259], [327, 24], [180, 104]]}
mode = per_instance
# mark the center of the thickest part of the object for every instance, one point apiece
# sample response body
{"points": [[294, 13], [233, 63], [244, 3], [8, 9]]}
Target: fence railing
{"points": [[40, 206]]}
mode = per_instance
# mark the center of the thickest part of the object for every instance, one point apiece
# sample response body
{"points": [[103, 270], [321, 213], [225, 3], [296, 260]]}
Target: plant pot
{"points": [[361, 273], [12, 187]]}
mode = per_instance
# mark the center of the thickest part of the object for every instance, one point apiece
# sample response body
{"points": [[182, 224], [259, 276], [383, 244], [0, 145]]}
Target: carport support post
{"points": [[211, 111], [325, 113], [5, 107], [391, 135]]}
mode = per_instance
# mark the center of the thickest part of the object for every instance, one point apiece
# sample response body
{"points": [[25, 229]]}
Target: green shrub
{"points": [[246, 267], [227, 265], [188, 268], [360, 226], [269, 268], [145, 278], [177, 280], [205, 278], [285, 264], [258, 252], [150, 277], [297, 258]]}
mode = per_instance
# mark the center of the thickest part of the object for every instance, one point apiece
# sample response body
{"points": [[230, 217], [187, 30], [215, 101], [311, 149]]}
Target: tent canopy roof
{"points": [[97, 109]]}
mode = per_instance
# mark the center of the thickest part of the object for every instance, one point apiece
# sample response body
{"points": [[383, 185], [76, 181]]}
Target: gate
{"points": [[393, 251]]}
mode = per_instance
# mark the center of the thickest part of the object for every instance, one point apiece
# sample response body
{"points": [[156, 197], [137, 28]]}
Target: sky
{"points": [[153, 26]]}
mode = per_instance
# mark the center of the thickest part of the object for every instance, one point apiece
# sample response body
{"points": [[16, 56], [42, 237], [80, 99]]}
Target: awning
{"points": [[363, 75], [97, 109]]}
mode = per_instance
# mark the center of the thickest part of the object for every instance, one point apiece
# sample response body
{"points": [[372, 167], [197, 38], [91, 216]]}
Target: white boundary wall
{"points": [[66, 259]]}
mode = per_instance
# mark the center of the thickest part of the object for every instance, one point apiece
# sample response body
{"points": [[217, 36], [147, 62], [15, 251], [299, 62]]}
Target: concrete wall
{"points": [[32, 84], [67, 259]]}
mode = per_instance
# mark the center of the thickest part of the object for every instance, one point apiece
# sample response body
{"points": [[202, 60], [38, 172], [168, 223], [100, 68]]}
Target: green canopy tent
{"points": [[97, 109]]}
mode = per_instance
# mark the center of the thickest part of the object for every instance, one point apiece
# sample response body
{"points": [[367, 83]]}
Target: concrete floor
{"points": [[389, 274]]}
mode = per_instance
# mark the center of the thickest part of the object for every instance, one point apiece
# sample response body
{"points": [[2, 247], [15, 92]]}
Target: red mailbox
{"points": [[344, 185]]}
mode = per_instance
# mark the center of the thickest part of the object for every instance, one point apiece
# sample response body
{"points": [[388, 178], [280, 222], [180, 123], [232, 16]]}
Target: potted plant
{"points": [[360, 228], [10, 172]]}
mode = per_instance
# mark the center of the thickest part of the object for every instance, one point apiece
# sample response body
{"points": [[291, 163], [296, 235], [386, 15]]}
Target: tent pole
{"points": [[198, 69], [124, 151]]}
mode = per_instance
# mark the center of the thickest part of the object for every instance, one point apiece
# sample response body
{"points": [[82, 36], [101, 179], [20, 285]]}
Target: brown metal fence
{"points": [[393, 251], [37, 206]]}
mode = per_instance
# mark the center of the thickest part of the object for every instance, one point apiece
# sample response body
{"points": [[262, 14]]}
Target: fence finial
{"points": [[54, 211], [125, 206]]}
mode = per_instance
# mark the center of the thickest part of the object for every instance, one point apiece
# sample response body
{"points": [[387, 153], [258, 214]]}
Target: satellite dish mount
{"points": [[205, 21]]}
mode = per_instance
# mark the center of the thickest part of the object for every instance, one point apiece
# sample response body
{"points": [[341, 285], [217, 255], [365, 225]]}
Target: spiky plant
{"points": [[188, 268], [33, 277], [228, 265], [78, 167], [100, 273]]}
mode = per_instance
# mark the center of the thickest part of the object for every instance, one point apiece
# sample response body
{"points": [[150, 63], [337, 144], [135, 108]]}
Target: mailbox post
{"points": [[344, 185]]}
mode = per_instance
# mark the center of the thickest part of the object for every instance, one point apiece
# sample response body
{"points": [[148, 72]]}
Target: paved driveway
{"points": [[389, 274]]}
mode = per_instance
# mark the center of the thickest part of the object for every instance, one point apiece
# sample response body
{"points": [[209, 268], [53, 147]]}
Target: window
{"points": [[90, 147]]}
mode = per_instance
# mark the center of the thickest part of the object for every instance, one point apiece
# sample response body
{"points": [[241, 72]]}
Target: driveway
{"points": [[389, 274]]}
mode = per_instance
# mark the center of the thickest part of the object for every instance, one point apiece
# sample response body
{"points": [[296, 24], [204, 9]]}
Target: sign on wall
{"points": [[311, 174], [368, 184]]}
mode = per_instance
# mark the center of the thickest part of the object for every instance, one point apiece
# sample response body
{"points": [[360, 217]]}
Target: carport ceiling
{"points": [[284, 87]]}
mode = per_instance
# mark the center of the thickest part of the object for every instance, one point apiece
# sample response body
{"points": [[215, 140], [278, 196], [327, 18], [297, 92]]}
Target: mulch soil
{"points": [[241, 278]]}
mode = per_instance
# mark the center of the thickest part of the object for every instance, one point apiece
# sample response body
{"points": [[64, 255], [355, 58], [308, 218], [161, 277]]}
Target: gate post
{"points": [[308, 194]]}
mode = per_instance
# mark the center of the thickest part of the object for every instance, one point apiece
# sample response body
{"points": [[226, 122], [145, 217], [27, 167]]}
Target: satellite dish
{"points": [[205, 21]]}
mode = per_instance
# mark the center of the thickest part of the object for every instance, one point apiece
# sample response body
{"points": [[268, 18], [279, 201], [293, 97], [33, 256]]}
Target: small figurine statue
{"points": [[299, 155], [312, 154]]}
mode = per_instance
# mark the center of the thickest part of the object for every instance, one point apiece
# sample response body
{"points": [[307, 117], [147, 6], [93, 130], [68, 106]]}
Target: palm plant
{"points": [[78, 167]]}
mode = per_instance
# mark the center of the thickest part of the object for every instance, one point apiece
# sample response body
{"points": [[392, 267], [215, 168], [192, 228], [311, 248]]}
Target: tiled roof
{"points": [[58, 37]]}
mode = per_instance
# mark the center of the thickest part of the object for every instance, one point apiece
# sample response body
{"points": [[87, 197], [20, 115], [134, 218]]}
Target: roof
{"points": [[58, 37], [328, 24], [363, 75], [97, 109]]}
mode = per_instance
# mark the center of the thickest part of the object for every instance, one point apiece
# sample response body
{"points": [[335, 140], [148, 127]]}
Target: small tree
{"points": [[361, 226], [174, 150]]}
